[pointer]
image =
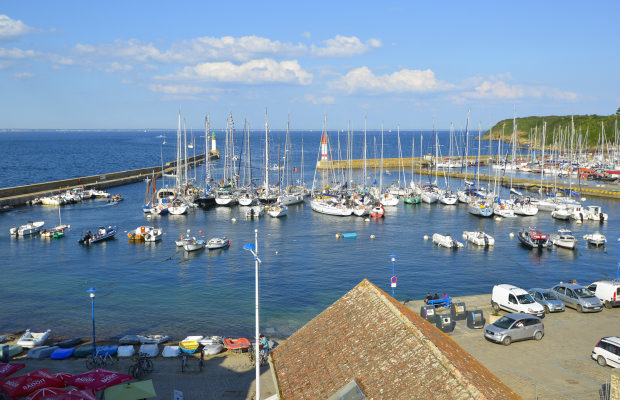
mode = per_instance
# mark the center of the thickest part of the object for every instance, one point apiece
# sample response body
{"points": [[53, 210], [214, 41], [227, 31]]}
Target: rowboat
{"points": [[189, 346], [194, 244], [32, 339]]}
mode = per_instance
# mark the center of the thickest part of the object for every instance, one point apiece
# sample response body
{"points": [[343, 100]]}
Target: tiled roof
{"points": [[390, 351]]}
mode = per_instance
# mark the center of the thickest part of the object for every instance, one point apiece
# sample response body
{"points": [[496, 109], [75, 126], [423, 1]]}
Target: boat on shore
{"points": [[532, 238], [31, 339], [30, 228]]}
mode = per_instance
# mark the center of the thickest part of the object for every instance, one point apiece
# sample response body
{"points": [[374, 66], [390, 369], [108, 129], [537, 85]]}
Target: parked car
{"points": [[578, 297], [513, 299], [547, 299], [513, 327], [607, 291], [607, 352]]}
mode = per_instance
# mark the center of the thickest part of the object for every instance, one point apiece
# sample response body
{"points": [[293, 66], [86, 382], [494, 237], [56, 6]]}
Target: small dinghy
{"points": [[105, 350], [153, 339], [61, 354], [12, 351], [65, 344], [154, 235], [595, 239], [479, 238], [194, 244], [212, 345], [32, 339], [125, 351], [151, 350], [171, 351], [238, 344], [84, 351], [218, 243], [189, 346], [130, 339], [446, 241], [42, 352]]}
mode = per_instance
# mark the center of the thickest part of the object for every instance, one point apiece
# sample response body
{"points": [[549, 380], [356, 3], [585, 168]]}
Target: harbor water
{"points": [[159, 288]]}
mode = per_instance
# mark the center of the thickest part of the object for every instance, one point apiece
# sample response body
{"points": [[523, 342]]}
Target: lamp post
{"points": [[92, 292], [393, 280], [618, 271], [253, 248]]}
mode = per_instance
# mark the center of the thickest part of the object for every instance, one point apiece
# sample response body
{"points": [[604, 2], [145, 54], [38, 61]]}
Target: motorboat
{"points": [[29, 228], [561, 212], [184, 238], [194, 244], [377, 211], [446, 241], [31, 339], [102, 234], [595, 239], [153, 235], [532, 238], [117, 198], [138, 233], [277, 210], [564, 238], [218, 243], [595, 213], [153, 339], [479, 238], [255, 211]]}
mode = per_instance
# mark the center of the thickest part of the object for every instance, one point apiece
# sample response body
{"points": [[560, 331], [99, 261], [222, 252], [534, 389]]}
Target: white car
{"points": [[607, 291], [607, 352], [515, 300]]}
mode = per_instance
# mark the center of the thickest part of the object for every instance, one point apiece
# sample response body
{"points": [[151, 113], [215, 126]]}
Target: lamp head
{"points": [[92, 292], [393, 257], [249, 247]]}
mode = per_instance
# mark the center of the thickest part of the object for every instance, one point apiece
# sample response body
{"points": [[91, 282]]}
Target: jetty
{"points": [[19, 195], [425, 165]]}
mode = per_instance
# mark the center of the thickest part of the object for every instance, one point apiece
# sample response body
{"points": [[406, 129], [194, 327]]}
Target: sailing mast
{"points": [[266, 156]]}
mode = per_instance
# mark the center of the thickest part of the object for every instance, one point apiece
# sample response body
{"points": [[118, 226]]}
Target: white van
{"points": [[608, 292], [515, 300]]}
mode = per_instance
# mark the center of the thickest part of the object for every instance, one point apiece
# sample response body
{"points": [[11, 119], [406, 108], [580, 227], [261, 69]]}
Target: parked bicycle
{"points": [[263, 357], [100, 360], [185, 364], [140, 365]]}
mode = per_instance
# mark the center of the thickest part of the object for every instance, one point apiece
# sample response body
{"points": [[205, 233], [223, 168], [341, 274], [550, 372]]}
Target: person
{"points": [[570, 281], [435, 297], [428, 297], [581, 217], [264, 343], [575, 281], [445, 296], [520, 324], [601, 217]]}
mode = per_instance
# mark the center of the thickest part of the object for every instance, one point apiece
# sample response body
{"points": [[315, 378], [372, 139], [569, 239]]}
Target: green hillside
{"points": [[556, 124]]}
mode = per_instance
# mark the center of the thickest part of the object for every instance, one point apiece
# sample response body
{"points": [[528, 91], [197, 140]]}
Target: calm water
{"points": [[158, 288]]}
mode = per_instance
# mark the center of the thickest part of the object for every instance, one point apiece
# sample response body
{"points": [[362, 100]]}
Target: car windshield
{"points": [[525, 299], [583, 292], [549, 296], [504, 322]]}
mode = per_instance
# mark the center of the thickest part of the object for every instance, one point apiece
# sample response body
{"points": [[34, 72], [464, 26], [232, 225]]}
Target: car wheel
{"points": [[538, 335], [608, 304], [507, 340], [579, 308], [495, 306], [547, 310], [601, 361]]}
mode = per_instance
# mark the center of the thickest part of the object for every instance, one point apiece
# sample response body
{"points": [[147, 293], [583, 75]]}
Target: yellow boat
{"points": [[189, 346]]}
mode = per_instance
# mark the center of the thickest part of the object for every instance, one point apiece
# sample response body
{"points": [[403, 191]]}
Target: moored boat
{"points": [[595, 239], [564, 238], [153, 235], [532, 238], [138, 233], [479, 238], [29, 228], [446, 241], [277, 210], [194, 244], [218, 243], [102, 234]]}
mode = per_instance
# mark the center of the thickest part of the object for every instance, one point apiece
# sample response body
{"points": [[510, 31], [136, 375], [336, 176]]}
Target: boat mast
{"points": [[364, 183], [381, 167], [266, 155]]}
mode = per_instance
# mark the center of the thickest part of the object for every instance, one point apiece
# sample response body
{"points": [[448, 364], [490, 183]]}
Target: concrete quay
{"points": [[557, 367]]}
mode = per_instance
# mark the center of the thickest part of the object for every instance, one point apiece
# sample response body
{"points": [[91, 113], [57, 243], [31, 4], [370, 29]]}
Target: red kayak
{"points": [[236, 344]]}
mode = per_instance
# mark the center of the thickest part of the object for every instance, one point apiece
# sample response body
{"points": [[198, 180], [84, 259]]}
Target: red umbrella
{"points": [[21, 385], [97, 379], [7, 369], [63, 375], [74, 394], [44, 393]]}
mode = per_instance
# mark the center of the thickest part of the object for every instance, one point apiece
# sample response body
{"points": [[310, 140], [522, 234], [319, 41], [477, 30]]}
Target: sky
{"points": [[135, 64]]}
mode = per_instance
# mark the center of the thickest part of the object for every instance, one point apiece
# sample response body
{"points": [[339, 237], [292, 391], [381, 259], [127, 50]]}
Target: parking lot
{"points": [[557, 367]]}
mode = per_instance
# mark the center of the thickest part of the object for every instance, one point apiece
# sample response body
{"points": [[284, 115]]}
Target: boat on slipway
{"points": [[532, 238]]}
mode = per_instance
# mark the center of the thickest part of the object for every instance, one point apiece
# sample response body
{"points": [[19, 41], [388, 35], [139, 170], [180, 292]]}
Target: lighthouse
{"points": [[213, 148], [324, 158]]}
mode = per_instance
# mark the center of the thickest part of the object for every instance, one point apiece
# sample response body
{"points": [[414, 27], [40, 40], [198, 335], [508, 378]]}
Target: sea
{"points": [[160, 289]]}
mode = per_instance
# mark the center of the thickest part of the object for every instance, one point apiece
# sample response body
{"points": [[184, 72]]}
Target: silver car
{"points": [[578, 297], [547, 299], [513, 327]]}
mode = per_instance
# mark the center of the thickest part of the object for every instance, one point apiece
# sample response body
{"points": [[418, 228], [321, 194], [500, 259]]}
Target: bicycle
{"points": [[140, 365], [263, 357], [100, 360], [184, 364]]}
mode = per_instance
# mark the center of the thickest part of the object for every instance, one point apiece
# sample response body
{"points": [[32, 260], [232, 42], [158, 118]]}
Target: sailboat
{"points": [[58, 231], [447, 196], [412, 192], [429, 193], [291, 194], [478, 205]]}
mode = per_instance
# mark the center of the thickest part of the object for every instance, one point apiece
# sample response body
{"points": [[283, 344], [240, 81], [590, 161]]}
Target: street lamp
{"points": [[393, 280], [253, 248], [92, 292]]}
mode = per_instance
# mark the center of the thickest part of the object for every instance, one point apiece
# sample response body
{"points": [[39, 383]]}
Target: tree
{"points": [[618, 111]]}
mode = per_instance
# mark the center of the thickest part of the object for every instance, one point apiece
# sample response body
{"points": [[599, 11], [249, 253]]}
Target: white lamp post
{"points": [[253, 248], [92, 292]]}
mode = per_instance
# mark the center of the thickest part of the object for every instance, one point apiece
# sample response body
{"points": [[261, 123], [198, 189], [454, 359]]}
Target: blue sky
{"points": [[134, 64]]}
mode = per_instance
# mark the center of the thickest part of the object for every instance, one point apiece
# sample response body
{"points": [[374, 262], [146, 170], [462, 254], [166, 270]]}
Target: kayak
{"points": [[84, 351], [62, 353]]}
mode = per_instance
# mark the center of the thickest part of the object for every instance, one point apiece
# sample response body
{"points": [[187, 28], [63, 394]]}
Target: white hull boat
{"points": [[218, 243], [255, 212], [153, 339], [171, 351], [479, 238], [278, 210], [31, 339], [246, 199], [448, 198], [429, 197], [595, 239], [178, 209], [194, 244], [330, 208], [389, 200], [125, 351], [291, 198], [28, 229], [361, 210], [153, 235], [446, 241], [561, 212], [564, 238], [151, 350]]}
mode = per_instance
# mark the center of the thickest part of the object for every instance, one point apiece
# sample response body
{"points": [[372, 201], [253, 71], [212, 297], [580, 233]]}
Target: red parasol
{"points": [[74, 394], [22, 385], [7, 369], [44, 393], [63, 376], [97, 379]]}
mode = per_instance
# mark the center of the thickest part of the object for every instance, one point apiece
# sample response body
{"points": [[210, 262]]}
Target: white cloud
{"points": [[177, 89], [310, 98], [406, 80], [129, 50], [11, 29], [307, 35], [22, 75], [253, 72], [498, 89], [117, 67], [345, 46], [17, 54]]}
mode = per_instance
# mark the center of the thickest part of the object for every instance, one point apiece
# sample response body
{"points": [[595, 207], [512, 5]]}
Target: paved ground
{"points": [[225, 376], [557, 367]]}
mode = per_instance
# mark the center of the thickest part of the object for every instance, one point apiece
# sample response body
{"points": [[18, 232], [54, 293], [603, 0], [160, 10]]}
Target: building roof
{"points": [[390, 351]]}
